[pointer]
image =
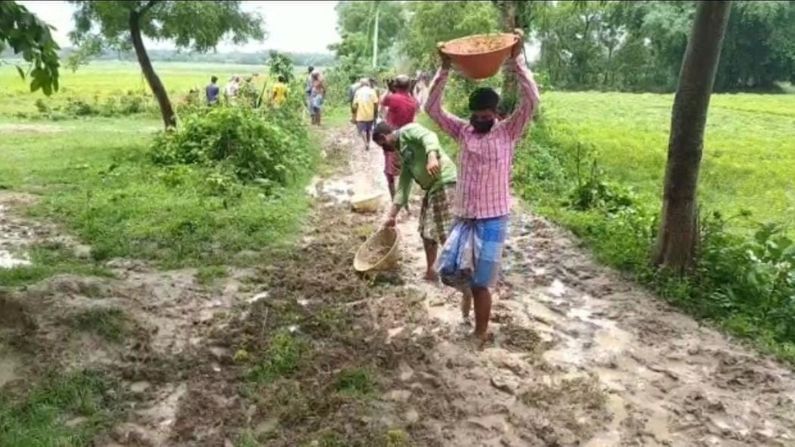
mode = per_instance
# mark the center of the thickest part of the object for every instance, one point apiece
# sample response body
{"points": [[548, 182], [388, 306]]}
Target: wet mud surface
{"points": [[303, 351]]}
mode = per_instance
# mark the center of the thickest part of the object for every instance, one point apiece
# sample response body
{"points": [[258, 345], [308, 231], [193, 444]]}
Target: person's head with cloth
{"points": [[483, 105]]}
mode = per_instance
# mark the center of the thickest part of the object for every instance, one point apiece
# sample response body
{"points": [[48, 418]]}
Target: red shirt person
{"points": [[401, 107]]}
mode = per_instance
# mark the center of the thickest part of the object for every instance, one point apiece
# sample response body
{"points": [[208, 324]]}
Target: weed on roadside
{"points": [[47, 260], [63, 410], [109, 323], [283, 357], [355, 382], [207, 275]]}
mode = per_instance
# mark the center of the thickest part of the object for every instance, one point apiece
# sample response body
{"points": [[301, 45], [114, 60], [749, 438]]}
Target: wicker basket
{"points": [[384, 241], [367, 204]]}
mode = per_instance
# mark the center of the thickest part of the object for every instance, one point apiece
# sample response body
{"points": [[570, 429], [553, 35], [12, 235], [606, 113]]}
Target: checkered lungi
{"points": [[436, 216]]}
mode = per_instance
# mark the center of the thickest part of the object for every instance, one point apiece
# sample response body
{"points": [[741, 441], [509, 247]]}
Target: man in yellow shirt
{"points": [[279, 92], [364, 110]]}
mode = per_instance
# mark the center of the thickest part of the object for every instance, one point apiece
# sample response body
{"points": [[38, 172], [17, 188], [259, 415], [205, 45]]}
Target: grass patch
{"points": [[355, 382], [209, 274], [65, 410], [48, 260], [283, 357], [103, 187], [109, 323]]}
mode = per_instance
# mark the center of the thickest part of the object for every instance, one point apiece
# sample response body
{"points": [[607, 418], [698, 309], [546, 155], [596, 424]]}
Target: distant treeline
{"points": [[257, 58]]}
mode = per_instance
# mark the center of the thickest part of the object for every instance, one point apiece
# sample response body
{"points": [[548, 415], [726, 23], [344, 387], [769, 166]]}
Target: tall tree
{"points": [[678, 235], [433, 22], [24, 33], [198, 25], [356, 23], [512, 14]]}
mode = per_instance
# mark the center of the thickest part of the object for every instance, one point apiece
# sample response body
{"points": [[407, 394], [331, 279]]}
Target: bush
{"points": [[268, 148], [117, 105]]}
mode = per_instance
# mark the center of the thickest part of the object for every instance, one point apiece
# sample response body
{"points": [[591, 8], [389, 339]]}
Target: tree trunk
{"points": [[678, 235], [166, 110], [508, 10]]}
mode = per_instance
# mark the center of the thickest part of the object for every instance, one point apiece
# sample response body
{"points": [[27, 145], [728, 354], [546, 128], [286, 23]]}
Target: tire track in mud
{"points": [[582, 356]]}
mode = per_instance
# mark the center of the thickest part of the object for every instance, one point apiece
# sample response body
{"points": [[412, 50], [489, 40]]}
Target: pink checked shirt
{"points": [[485, 160]]}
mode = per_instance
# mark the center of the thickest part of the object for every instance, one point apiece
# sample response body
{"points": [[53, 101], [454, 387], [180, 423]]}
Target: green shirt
{"points": [[415, 143]]}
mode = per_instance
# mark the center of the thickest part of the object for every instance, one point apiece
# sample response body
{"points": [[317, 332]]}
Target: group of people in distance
{"points": [[232, 89], [465, 209]]}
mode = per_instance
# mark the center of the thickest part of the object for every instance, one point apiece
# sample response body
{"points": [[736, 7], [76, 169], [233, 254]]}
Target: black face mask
{"points": [[481, 125]]}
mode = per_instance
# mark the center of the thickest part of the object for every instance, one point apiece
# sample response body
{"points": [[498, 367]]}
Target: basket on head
{"points": [[379, 252], [480, 56]]}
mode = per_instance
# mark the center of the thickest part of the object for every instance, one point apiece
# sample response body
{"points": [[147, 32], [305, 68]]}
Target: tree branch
{"points": [[147, 7]]}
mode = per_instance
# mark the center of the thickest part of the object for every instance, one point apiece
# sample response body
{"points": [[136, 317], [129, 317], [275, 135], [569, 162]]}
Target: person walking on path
{"points": [[308, 87], [364, 110], [317, 95], [425, 163], [401, 108], [473, 252], [211, 91]]}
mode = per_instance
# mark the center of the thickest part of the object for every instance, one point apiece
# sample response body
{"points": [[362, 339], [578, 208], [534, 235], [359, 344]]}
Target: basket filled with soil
{"points": [[479, 56]]}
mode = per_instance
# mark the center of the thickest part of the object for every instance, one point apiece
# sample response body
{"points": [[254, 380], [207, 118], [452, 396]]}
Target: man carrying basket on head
{"points": [[472, 254]]}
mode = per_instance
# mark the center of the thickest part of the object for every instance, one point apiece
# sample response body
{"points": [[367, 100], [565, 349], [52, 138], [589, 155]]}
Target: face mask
{"points": [[481, 125]]}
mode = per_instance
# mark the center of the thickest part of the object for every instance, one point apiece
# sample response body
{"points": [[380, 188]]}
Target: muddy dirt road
{"points": [[302, 352], [584, 357]]}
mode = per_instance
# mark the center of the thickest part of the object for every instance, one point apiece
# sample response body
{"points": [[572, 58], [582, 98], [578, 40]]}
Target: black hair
{"points": [[282, 78], [310, 68], [382, 129], [483, 98], [214, 79]]}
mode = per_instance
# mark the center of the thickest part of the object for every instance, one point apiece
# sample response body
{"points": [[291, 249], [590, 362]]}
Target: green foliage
{"points": [[263, 150], [189, 24], [433, 22], [24, 33], [356, 25], [44, 415], [355, 382], [281, 65], [638, 46], [282, 358], [47, 260], [109, 323], [744, 278]]}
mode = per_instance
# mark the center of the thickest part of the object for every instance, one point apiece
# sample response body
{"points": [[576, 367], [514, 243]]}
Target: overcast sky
{"points": [[300, 26]]}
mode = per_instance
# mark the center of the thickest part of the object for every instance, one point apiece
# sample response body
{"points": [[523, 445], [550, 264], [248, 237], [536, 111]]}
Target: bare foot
{"points": [[431, 276], [482, 341]]}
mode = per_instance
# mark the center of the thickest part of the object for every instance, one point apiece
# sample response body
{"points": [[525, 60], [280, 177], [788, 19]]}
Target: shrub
{"points": [[268, 148]]}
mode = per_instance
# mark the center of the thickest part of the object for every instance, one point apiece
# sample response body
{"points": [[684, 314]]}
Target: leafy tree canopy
{"points": [[197, 25], [24, 33]]}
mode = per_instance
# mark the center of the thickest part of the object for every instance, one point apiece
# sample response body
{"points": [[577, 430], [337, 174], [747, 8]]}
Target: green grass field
{"points": [[101, 79], [749, 149], [94, 177]]}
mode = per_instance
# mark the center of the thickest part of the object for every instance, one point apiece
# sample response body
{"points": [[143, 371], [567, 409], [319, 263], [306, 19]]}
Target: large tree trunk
{"points": [[166, 110], [678, 235], [510, 21]]}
